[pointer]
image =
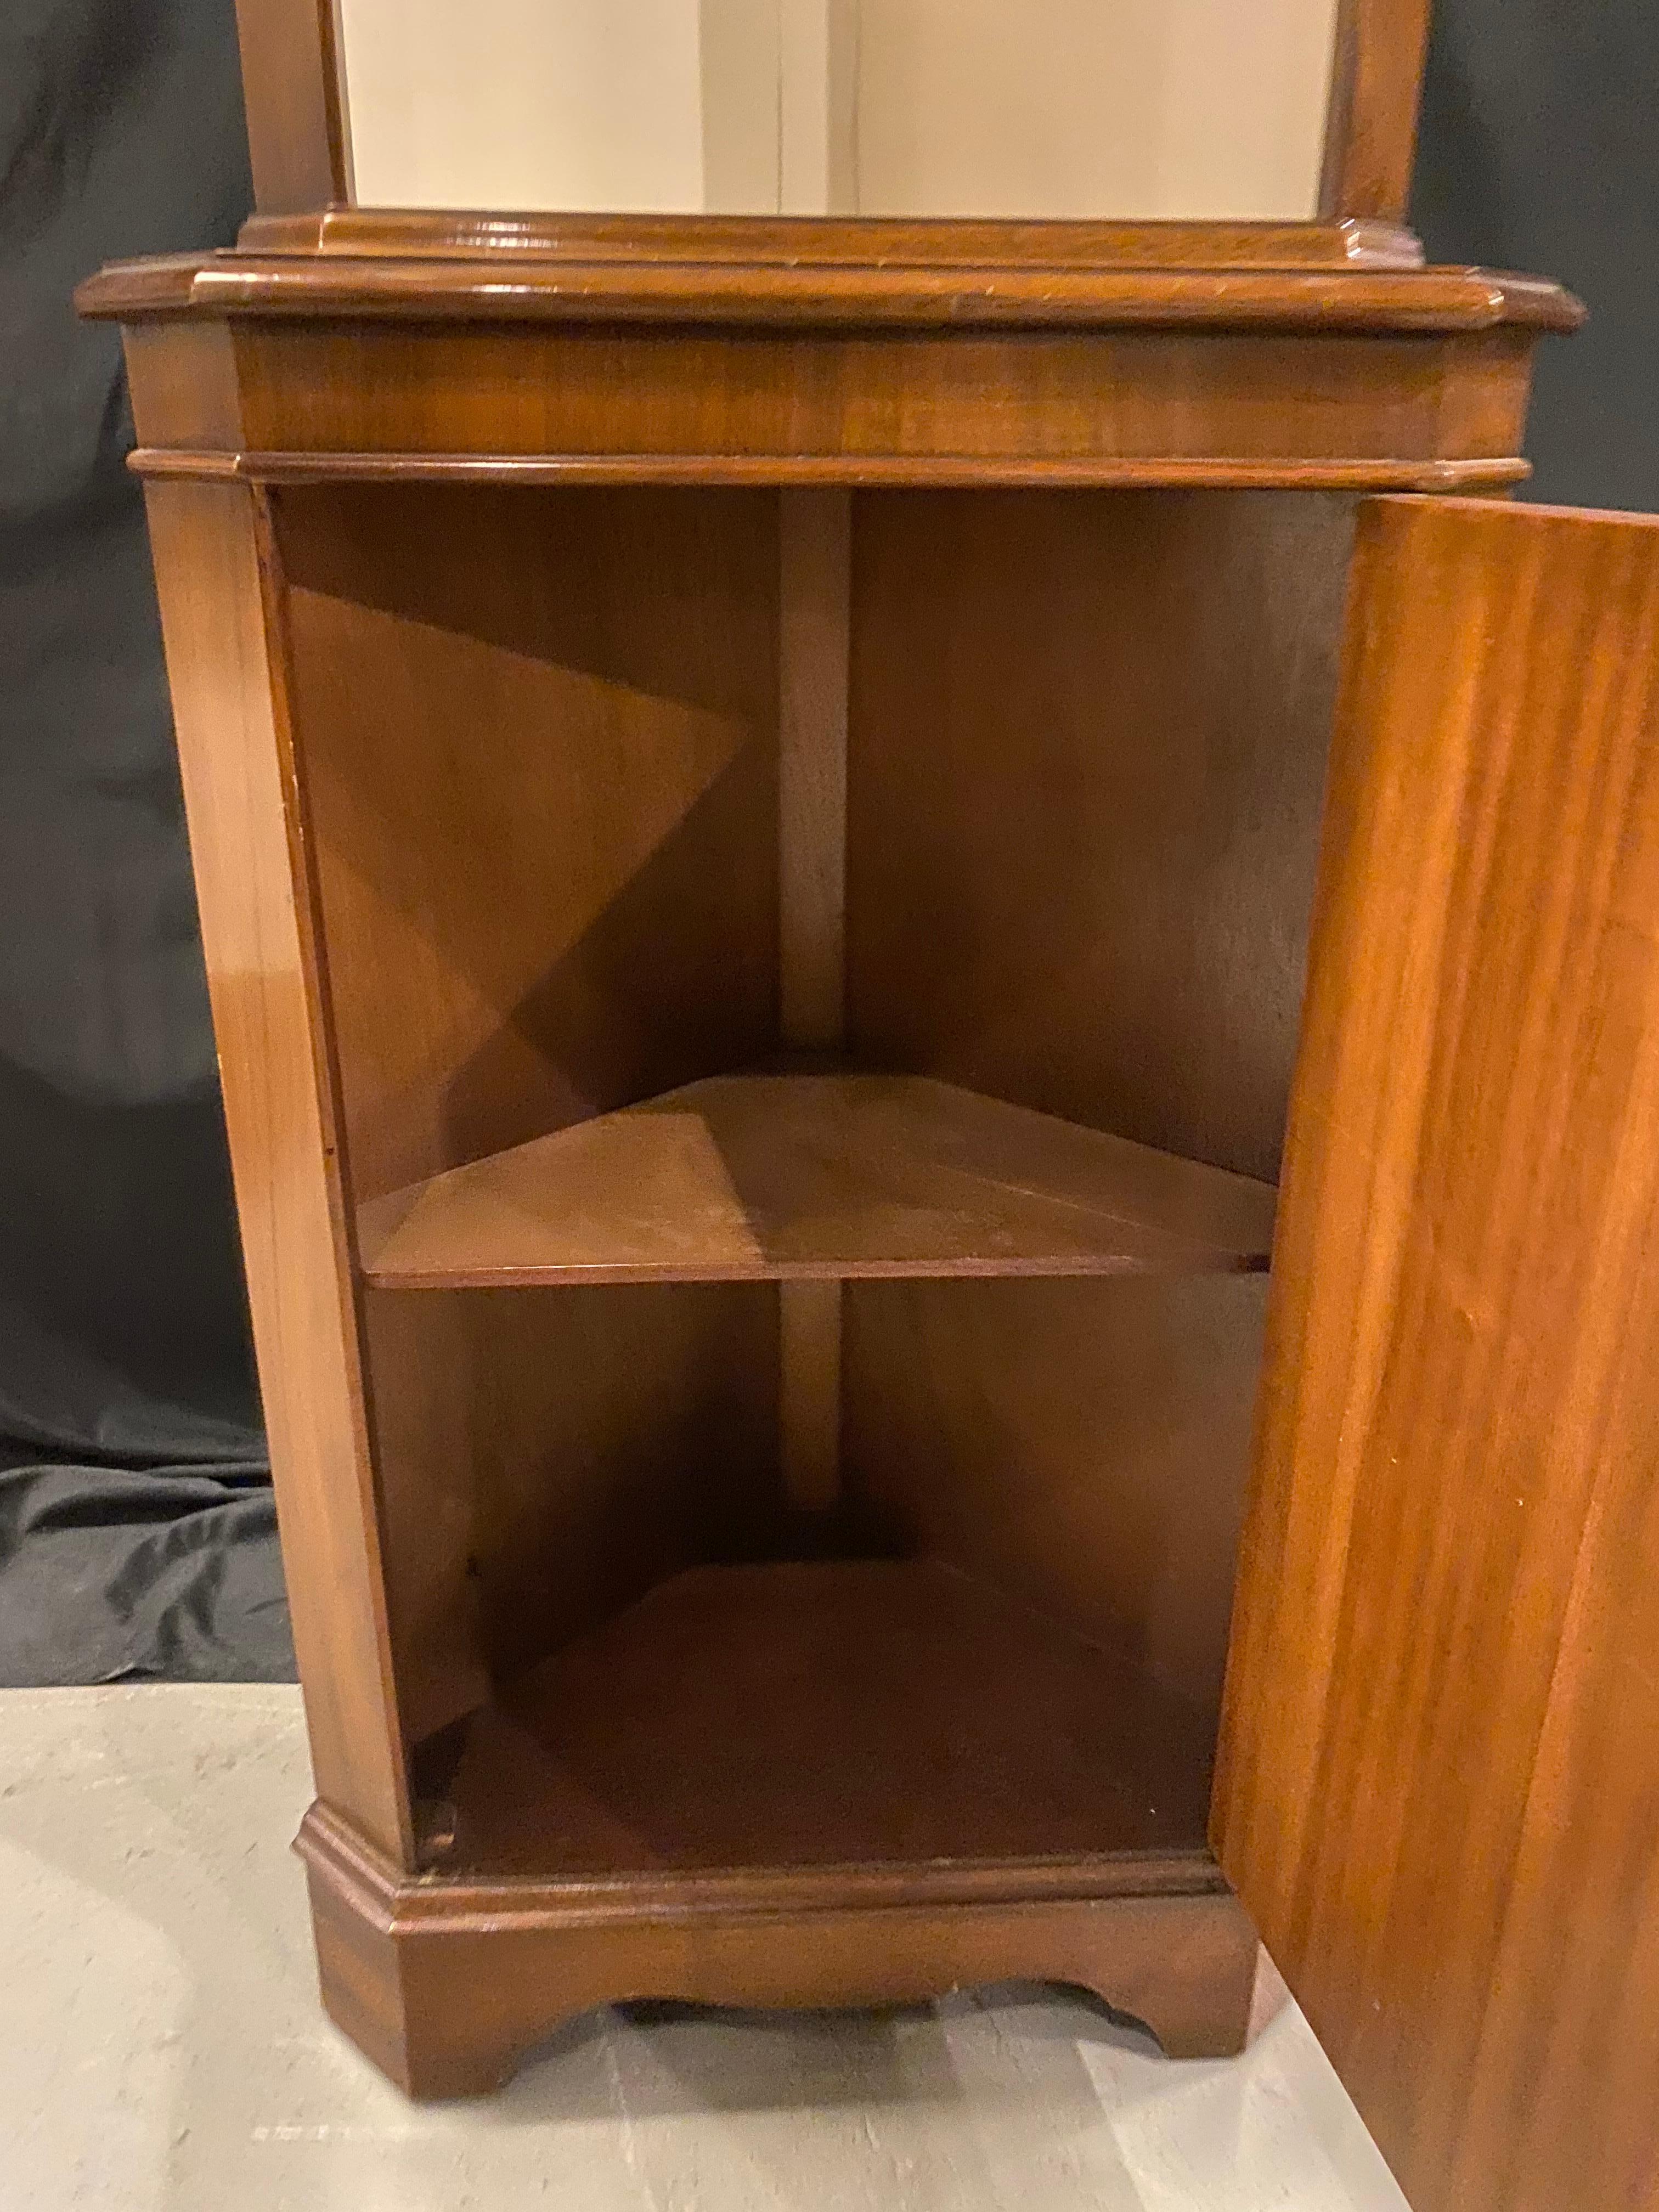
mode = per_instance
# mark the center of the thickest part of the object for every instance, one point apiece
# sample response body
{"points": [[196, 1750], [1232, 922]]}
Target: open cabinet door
{"points": [[1438, 1792]]}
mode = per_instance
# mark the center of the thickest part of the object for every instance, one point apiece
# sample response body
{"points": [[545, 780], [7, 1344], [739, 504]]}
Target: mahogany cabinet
{"points": [[756, 791]]}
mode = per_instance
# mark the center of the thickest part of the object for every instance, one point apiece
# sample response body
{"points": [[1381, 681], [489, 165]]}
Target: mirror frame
{"points": [[299, 133]]}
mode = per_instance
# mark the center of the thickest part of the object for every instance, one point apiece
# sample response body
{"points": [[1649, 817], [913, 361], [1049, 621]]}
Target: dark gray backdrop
{"points": [[1539, 150], [135, 1514], [135, 1530]]}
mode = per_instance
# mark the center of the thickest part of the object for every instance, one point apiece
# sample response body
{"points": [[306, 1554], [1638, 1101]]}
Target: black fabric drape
{"points": [[136, 1527], [137, 1535]]}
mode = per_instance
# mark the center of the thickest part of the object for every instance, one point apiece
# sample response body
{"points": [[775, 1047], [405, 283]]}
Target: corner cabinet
{"points": [[757, 794]]}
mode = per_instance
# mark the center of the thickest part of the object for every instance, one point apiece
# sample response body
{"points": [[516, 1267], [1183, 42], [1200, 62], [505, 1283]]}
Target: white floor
{"points": [[165, 2052]]}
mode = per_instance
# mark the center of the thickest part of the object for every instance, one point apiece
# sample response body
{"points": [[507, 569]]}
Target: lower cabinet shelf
{"points": [[867, 1713], [845, 1783]]}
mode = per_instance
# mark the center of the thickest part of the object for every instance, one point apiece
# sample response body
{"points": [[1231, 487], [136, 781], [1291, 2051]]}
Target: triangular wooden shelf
{"points": [[755, 1178], [852, 1713]]}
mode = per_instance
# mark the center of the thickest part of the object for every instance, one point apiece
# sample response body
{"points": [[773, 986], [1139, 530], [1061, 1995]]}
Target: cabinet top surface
{"points": [[809, 272]]}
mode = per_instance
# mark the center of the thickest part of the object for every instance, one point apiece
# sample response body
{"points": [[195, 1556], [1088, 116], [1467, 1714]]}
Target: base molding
{"points": [[447, 1982]]}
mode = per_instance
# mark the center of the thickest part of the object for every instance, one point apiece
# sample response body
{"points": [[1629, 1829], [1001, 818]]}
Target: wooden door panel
{"points": [[1438, 1789]]}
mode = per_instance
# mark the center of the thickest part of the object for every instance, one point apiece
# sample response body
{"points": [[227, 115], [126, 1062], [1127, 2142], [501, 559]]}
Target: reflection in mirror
{"points": [[1138, 109]]}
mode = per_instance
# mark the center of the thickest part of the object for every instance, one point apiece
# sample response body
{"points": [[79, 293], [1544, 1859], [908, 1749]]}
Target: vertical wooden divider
{"points": [[815, 539]]}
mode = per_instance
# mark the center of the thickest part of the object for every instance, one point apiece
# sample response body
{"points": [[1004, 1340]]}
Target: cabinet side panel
{"points": [[1437, 1793], [232, 742], [1088, 739]]}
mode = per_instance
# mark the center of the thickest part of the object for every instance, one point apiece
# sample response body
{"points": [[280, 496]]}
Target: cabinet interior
{"points": [[814, 977]]}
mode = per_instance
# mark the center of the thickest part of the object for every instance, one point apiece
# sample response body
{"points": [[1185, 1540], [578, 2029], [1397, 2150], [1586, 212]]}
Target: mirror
{"points": [[1131, 109]]}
